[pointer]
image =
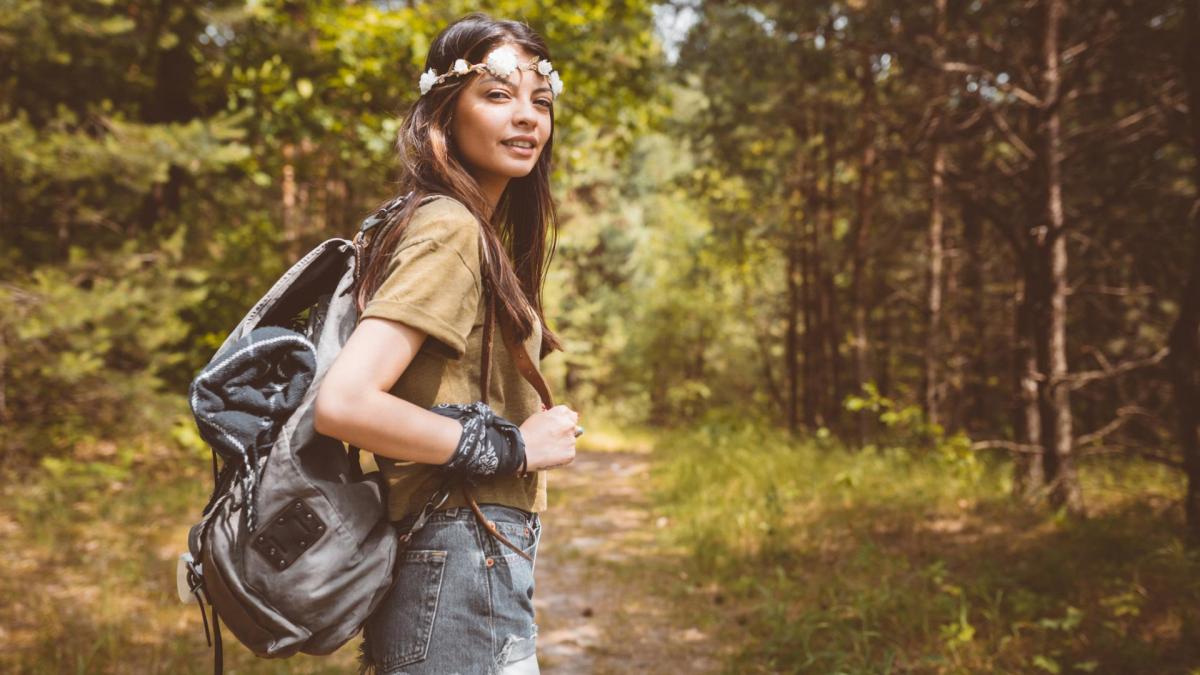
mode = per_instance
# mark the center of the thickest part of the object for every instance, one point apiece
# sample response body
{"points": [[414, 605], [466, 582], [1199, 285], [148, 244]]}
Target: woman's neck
{"points": [[493, 190]]}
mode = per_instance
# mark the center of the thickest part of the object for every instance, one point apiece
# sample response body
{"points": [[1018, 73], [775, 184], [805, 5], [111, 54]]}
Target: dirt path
{"points": [[607, 601]]}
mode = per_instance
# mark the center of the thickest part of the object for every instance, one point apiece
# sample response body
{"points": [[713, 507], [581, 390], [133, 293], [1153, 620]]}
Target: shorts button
{"points": [[490, 562]]}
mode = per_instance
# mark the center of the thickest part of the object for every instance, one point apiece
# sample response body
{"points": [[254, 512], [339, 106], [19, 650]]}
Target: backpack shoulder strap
{"points": [[389, 209], [519, 356], [526, 366]]}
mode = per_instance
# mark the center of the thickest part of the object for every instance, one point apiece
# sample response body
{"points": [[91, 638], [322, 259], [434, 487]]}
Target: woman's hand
{"points": [[550, 438]]}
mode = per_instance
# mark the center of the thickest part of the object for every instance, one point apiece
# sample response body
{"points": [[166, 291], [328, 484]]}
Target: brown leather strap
{"points": [[525, 365], [485, 372], [489, 525]]}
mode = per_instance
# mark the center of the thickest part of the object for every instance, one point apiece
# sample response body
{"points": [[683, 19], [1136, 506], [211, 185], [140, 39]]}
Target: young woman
{"points": [[469, 242]]}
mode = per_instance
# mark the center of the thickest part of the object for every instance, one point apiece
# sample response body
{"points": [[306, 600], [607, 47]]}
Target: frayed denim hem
{"points": [[366, 664], [517, 656]]}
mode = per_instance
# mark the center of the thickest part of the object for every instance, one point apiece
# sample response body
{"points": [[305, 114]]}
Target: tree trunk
{"points": [[883, 331], [792, 340], [287, 198], [170, 100], [975, 408], [830, 311], [1185, 335], [3, 382], [933, 297], [1028, 477], [777, 396], [1051, 258], [810, 259], [866, 206], [809, 367], [934, 275]]}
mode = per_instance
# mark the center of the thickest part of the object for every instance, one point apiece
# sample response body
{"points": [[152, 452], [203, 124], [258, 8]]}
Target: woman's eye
{"points": [[498, 95]]}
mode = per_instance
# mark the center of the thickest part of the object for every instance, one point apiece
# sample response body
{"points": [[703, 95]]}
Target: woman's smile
{"points": [[522, 146]]}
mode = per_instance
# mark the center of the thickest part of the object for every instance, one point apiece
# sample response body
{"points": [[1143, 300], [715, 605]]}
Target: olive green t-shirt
{"points": [[434, 285]]}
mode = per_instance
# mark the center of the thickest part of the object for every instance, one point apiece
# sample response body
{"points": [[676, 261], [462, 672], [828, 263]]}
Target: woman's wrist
{"points": [[489, 444]]}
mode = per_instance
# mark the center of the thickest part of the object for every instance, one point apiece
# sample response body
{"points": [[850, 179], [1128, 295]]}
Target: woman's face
{"points": [[491, 113]]}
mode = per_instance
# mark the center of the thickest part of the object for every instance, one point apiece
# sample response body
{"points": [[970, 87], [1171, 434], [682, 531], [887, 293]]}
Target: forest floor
{"points": [[88, 562], [702, 551], [609, 599]]}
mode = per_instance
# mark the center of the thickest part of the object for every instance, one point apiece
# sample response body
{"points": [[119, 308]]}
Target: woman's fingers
{"points": [[573, 414]]}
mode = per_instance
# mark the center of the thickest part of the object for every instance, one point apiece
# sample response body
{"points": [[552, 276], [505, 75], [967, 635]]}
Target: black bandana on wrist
{"points": [[490, 445]]}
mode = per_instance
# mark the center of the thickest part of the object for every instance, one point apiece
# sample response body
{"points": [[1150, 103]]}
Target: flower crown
{"points": [[501, 62]]}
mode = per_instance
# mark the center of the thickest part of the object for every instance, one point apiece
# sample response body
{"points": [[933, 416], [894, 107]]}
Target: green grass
{"points": [[829, 561], [888, 561]]}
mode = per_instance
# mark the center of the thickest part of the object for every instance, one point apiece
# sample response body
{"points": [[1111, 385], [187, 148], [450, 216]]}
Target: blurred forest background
{"points": [[908, 295]]}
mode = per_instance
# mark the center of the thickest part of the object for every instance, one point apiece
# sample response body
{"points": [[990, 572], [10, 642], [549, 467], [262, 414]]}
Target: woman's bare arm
{"points": [[354, 403]]}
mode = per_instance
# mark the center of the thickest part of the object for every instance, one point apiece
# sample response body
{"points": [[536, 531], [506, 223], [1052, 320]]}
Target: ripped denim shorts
{"points": [[462, 602]]}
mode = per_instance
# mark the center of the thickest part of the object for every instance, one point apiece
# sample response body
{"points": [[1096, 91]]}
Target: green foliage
{"points": [[161, 165], [842, 561], [907, 428], [83, 346], [662, 322], [87, 188]]}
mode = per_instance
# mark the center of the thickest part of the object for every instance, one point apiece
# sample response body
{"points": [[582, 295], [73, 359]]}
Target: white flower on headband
{"points": [[428, 79], [502, 61]]}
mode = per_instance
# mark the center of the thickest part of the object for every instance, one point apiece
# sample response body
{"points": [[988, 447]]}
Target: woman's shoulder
{"points": [[445, 208], [443, 219]]}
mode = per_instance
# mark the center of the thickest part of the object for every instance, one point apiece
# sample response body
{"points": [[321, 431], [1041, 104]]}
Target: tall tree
{"points": [[1185, 335], [935, 276], [864, 214], [1048, 241]]}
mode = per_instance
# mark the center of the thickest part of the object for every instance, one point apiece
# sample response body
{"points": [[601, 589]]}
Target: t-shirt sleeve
{"points": [[433, 281]]}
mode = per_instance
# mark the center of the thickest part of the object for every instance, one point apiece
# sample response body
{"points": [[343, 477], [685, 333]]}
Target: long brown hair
{"points": [[518, 253]]}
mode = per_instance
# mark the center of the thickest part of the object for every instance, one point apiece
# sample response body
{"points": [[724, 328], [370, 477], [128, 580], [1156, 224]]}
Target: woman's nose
{"points": [[525, 113]]}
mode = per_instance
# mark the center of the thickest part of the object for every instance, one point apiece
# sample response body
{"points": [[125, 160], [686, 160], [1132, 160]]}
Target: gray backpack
{"points": [[294, 549]]}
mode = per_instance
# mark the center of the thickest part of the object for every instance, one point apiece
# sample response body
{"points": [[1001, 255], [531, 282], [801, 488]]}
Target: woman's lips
{"points": [[518, 151]]}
